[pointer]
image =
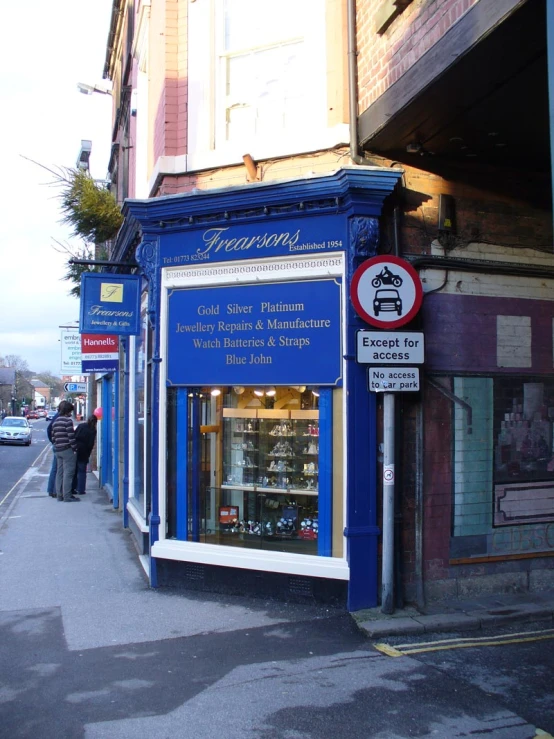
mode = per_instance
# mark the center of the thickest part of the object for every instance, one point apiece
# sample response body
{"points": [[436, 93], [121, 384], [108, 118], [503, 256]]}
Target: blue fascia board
{"points": [[359, 187]]}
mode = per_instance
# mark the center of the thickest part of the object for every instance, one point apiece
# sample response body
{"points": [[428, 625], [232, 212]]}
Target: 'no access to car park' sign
{"points": [[392, 379]]}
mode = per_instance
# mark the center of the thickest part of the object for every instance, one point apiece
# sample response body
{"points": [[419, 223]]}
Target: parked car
{"points": [[50, 414], [32, 414], [41, 412], [15, 430]]}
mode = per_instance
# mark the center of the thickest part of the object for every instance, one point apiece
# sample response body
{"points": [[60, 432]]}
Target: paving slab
{"points": [[391, 627]]}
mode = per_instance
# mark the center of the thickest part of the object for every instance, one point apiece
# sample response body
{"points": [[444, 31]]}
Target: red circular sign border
{"points": [[362, 269]]}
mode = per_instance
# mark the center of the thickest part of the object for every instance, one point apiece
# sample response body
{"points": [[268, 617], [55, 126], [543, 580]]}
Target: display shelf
{"points": [[287, 510]]}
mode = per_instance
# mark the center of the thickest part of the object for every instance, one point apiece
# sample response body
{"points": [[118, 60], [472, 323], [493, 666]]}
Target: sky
{"points": [[46, 48]]}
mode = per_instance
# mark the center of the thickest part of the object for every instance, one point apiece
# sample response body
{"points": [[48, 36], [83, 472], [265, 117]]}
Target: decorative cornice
{"points": [[355, 190]]}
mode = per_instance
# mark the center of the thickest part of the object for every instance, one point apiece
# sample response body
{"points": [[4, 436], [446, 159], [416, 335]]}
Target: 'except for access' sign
{"points": [[75, 387], [393, 379], [390, 347]]}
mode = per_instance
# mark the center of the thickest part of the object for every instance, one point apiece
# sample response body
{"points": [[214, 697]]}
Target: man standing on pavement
{"points": [[51, 486], [65, 449]]}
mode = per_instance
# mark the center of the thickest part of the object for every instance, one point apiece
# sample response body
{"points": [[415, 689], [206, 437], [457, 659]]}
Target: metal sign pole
{"points": [[387, 556]]}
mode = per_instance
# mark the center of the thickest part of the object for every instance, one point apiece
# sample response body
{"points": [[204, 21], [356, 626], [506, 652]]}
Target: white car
{"points": [[15, 430]]}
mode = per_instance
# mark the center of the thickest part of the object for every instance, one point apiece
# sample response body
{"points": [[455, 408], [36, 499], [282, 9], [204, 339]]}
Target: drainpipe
{"points": [[392, 553], [353, 84], [461, 264], [399, 456], [550, 66]]}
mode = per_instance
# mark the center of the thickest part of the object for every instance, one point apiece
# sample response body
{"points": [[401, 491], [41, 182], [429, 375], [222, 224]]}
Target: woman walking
{"points": [[65, 449]]}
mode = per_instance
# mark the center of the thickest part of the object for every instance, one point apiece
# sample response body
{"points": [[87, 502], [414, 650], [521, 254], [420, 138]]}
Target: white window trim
{"points": [[296, 268], [202, 126], [231, 156]]}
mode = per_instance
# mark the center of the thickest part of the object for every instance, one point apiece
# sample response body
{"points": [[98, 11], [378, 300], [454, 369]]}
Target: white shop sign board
{"points": [[393, 379], [390, 347]]}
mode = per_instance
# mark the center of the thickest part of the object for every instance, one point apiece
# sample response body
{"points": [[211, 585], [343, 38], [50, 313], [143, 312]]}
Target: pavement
{"points": [[89, 651], [101, 570], [460, 615]]}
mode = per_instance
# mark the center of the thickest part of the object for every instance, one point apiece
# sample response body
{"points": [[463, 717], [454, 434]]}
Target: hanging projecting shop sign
{"points": [[278, 333], [110, 304]]}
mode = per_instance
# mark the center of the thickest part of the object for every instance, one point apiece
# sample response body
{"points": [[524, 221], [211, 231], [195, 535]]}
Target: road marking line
{"points": [[404, 650], [25, 474]]}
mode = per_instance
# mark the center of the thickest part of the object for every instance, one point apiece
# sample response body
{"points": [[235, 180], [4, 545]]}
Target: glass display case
{"points": [[270, 478]]}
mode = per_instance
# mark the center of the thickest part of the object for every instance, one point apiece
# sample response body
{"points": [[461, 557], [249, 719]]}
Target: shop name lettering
{"points": [[215, 242], [102, 313], [230, 328]]}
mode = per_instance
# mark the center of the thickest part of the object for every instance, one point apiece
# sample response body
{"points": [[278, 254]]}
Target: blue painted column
{"points": [[195, 467], [325, 485], [106, 430], [182, 464], [148, 256], [361, 529], [126, 404], [115, 440]]}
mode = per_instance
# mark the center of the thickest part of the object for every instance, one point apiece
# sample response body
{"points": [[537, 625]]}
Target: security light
{"points": [[89, 89]]}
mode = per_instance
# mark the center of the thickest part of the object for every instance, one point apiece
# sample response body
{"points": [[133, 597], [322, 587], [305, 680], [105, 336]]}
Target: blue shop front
{"points": [[250, 441]]}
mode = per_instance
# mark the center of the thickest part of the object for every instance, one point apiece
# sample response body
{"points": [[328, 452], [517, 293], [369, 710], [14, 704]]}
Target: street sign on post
{"points": [[75, 387], [386, 292], [393, 379]]}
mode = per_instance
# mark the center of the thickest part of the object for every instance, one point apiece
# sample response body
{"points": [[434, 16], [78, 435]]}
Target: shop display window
{"points": [[269, 490], [523, 439], [503, 461], [253, 469]]}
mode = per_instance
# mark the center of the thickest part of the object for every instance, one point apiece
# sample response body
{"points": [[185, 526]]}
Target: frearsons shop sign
{"points": [[110, 304], [252, 240]]}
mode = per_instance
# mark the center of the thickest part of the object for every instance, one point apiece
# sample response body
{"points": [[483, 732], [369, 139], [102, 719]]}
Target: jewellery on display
{"points": [[283, 429]]}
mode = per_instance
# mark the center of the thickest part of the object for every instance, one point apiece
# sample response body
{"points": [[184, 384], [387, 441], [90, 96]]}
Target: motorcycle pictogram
{"points": [[386, 277]]}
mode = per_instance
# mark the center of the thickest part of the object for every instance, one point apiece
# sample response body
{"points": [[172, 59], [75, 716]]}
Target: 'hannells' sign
{"points": [[110, 304], [99, 353]]}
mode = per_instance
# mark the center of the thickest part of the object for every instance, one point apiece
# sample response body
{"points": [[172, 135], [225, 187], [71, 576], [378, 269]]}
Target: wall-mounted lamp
{"points": [[90, 89], [84, 155], [215, 392], [259, 391], [270, 392], [251, 168], [239, 390], [315, 392]]}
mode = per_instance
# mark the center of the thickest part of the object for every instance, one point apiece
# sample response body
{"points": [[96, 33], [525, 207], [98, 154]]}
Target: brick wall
{"points": [[168, 79], [278, 169], [383, 59], [437, 465], [503, 208]]}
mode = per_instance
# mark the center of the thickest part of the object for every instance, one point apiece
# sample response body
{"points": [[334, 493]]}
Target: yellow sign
{"points": [[111, 293]]}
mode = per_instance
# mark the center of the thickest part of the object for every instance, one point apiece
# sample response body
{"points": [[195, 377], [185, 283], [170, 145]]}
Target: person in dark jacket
{"points": [[51, 486], [65, 449], [85, 436]]}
